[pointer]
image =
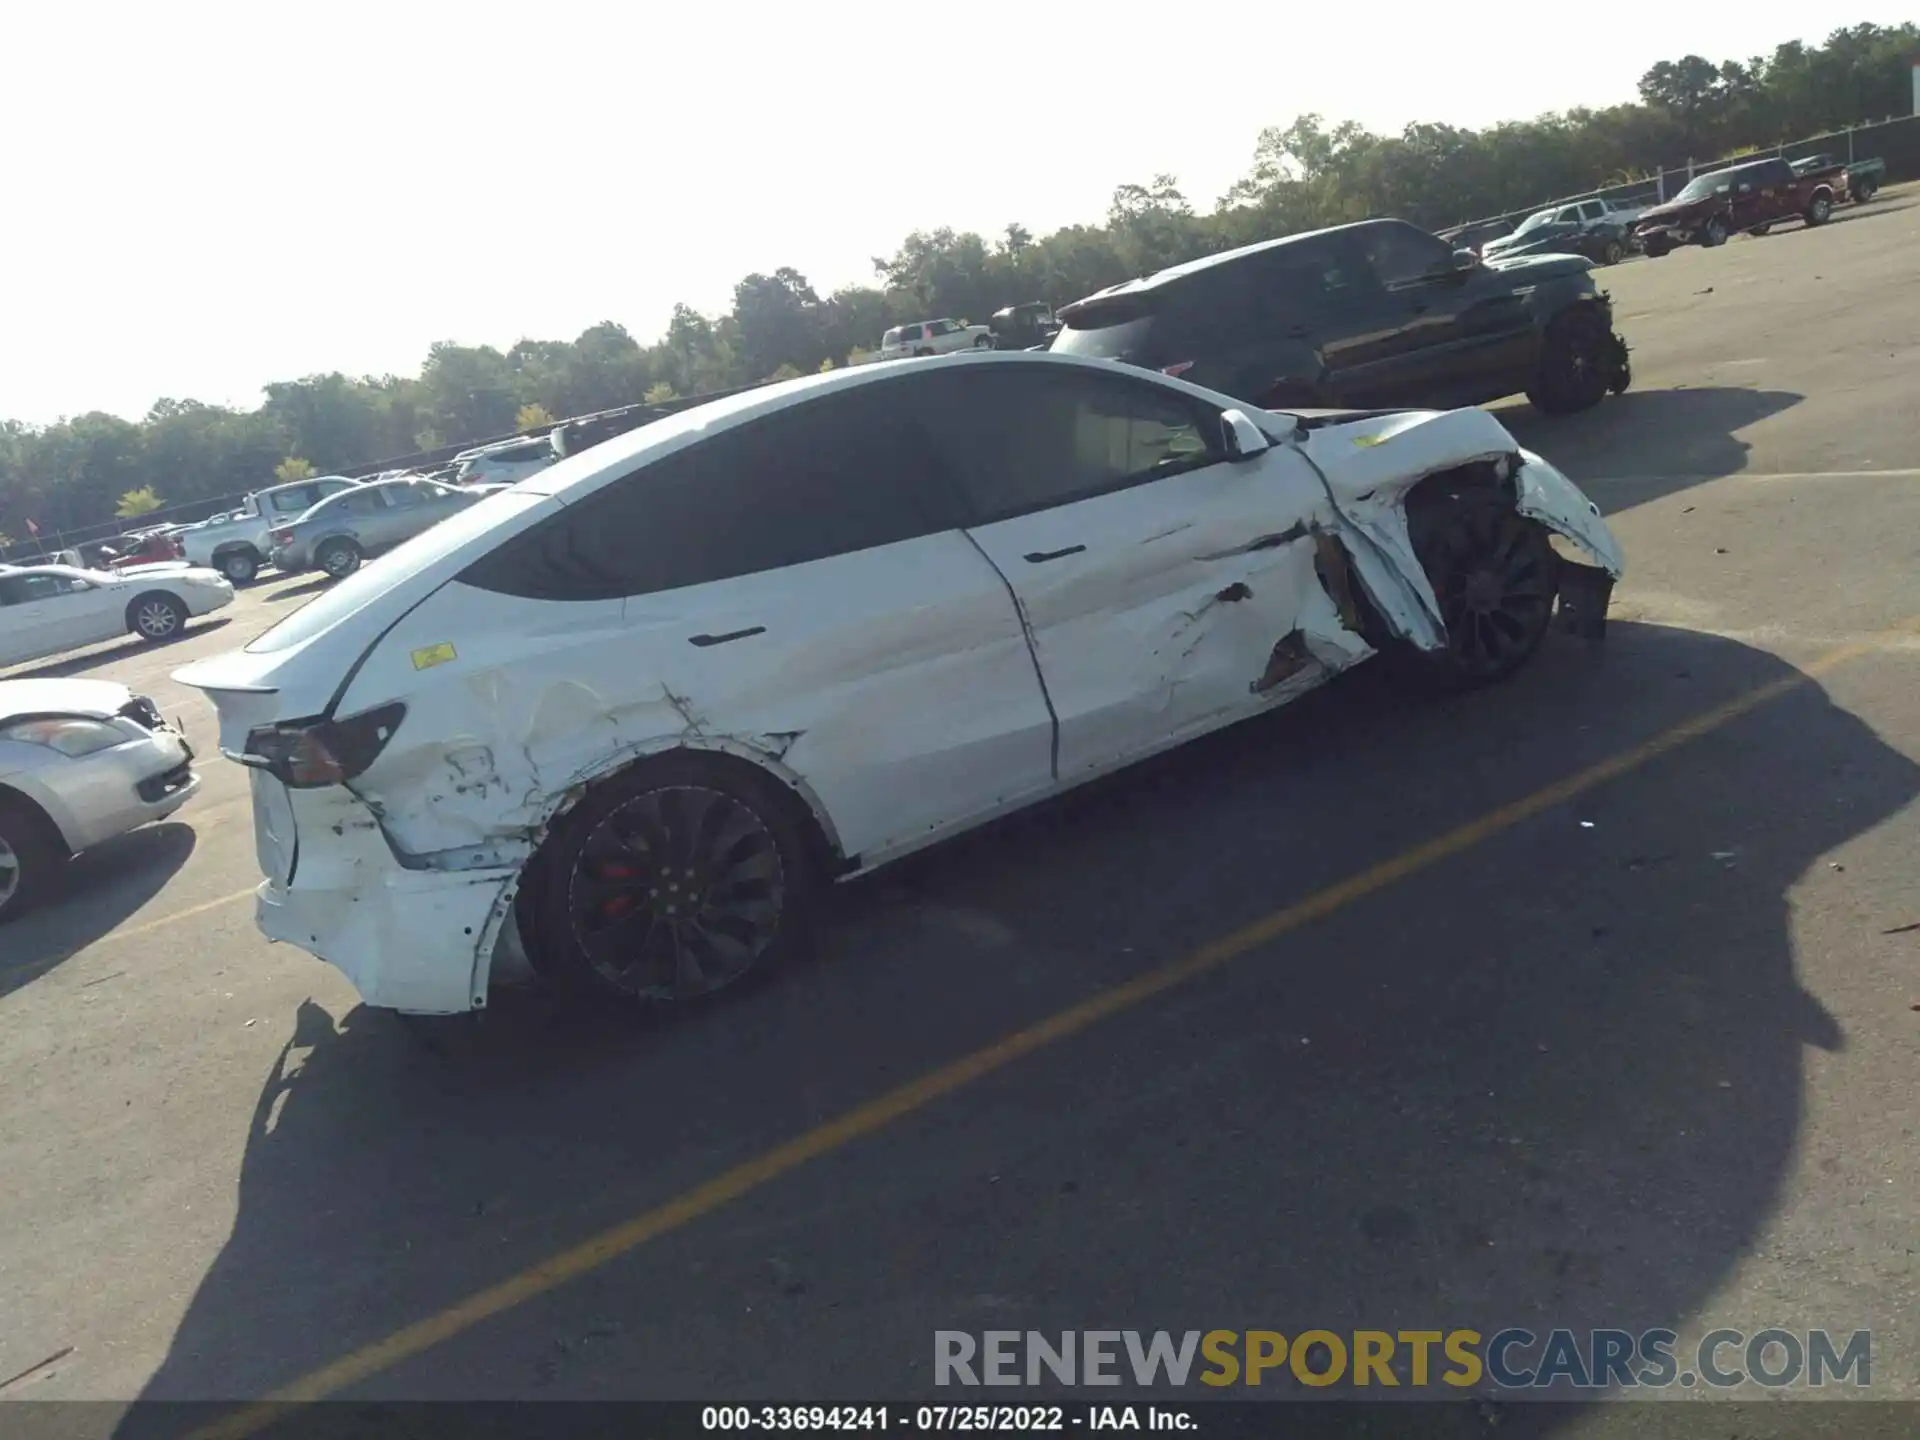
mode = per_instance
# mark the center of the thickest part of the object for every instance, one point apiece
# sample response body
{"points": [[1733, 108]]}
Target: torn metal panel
{"points": [[1546, 495]]}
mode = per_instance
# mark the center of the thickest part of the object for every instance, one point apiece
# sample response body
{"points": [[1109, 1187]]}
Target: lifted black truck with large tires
{"points": [[1374, 315]]}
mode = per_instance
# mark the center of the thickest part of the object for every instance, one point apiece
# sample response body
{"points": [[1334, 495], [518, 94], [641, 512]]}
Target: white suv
{"points": [[933, 337], [504, 463], [626, 717]]}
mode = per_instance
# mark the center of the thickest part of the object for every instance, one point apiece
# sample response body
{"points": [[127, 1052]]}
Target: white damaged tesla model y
{"points": [[626, 717]]}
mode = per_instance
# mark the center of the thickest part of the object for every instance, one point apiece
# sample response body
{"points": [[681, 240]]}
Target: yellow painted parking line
{"points": [[147, 927], [863, 1120]]}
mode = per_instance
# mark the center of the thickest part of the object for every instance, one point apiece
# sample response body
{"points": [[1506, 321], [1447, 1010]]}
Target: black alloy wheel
{"points": [[1495, 575], [677, 892]]}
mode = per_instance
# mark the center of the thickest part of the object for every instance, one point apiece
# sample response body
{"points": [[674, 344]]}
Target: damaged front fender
{"points": [[1372, 465]]}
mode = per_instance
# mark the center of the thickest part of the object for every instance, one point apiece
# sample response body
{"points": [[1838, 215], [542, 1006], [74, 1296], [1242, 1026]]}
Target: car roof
{"points": [[1189, 268], [670, 431]]}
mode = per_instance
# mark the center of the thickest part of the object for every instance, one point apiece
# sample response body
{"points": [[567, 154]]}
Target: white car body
{"points": [[50, 609], [903, 690], [136, 769], [933, 337]]}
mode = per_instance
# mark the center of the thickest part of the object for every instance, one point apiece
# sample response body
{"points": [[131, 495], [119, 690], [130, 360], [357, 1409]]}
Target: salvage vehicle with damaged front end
{"points": [[625, 720], [1378, 313], [81, 761]]}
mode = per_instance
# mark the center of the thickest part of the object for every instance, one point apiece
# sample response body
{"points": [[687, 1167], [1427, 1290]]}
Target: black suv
{"points": [[1373, 315]]}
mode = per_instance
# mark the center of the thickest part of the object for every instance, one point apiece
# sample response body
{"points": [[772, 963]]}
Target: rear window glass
{"points": [[1116, 329]]}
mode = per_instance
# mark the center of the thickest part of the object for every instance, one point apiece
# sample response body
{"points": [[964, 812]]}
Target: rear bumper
{"points": [[409, 941], [413, 939]]}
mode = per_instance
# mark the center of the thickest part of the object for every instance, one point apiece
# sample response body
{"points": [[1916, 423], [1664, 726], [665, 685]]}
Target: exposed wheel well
{"points": [[757, 779], [29, 808]]}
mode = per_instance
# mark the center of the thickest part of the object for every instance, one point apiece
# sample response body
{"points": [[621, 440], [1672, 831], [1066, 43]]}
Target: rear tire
{"points": [[1865, 190], [983, 342], [1495, 575], [239, 566], [683, 877], [29, 858], [1573, 370], [156, 617], [1761, 229], [339, 558]]}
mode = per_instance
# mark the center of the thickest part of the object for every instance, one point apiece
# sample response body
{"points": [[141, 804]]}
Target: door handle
{"points": [[705, 640], [1040, 557]]}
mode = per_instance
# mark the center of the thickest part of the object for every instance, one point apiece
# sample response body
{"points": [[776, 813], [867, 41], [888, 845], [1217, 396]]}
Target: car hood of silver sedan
{"points": [[90, 699]]}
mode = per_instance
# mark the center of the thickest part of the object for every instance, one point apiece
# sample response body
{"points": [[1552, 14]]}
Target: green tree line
{"points": [[83, 470]]}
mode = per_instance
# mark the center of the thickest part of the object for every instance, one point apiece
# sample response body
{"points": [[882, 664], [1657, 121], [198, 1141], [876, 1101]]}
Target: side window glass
{"points": [[1024, 442], [1401, 255], [827, 477]]}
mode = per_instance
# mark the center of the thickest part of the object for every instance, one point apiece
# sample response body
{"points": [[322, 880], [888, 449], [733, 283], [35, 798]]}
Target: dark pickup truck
{"points": [[1370, 315], [1753, 197], [1863, 176]]}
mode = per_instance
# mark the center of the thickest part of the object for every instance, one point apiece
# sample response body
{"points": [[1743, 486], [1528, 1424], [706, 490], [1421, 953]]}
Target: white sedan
{"points": [[81, 761], [48, 609], [631, 713]]}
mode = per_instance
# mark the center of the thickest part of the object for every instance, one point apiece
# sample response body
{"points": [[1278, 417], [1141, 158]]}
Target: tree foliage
{"points": [[136, 503], [294, 467], [1301, 175]]}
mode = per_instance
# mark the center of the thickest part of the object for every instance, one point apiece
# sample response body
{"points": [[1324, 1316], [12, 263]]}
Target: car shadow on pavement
{"points": [[299, 590], [89, 660], [1663, 440], [1554, 1079], [99, 890]]}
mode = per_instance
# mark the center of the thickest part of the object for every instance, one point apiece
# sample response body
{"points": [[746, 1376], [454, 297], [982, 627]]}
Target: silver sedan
{"points": [[81, 761], [340, 532]]}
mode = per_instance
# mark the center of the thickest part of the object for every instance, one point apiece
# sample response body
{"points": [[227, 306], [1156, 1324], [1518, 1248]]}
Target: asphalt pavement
{"points": [[1583, 1001]]}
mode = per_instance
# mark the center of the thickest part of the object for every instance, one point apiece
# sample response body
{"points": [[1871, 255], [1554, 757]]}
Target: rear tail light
{"points": [[309, 754], [283, 537], [1179, 367]]}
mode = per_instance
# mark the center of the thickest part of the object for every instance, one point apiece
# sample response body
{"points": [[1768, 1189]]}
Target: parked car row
{"points": [[1750, 198]]}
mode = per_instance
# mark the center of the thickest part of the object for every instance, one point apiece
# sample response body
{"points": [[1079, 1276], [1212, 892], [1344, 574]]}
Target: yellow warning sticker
{"points": [[1366, 440], [433, 655]]}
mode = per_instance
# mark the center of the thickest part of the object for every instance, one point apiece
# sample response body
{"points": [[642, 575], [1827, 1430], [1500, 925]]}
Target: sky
{"points": [[200, 198]]}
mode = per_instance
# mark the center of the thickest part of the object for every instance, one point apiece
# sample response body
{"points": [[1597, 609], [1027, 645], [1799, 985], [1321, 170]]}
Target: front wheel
{"points": [[1612, 253], [1716, 231], [983, 342], [1574, 369], [29, 860], [156, 617], [1495, 575], [681, 878], [1819, 210], [339, 558]]}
